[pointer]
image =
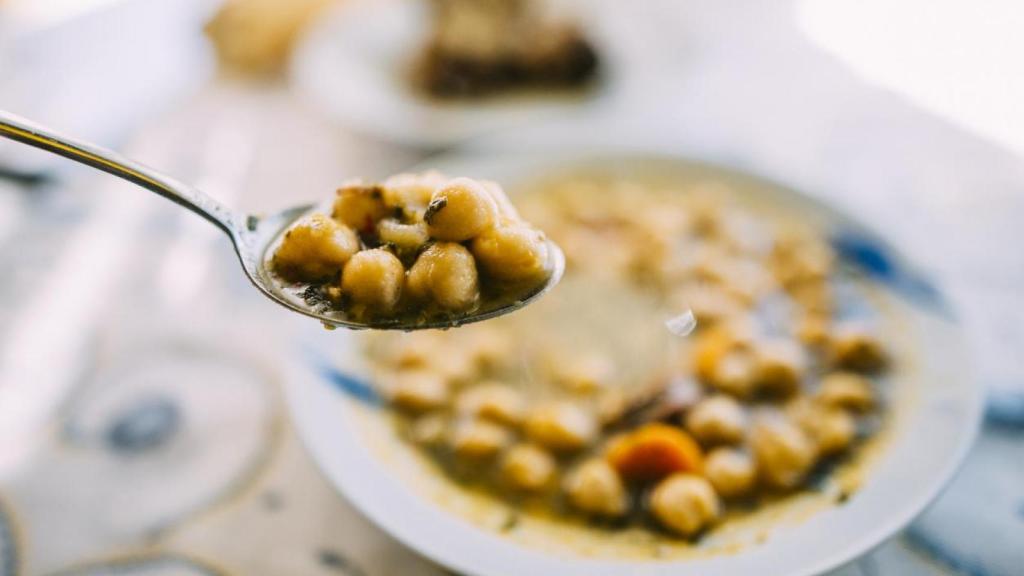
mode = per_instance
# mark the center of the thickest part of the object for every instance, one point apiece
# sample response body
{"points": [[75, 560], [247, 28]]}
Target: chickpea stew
{"points": [[622, 426], [417, 248]]}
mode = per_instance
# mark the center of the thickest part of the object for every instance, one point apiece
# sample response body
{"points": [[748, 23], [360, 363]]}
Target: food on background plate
{"points": [[745, 411], [419, 247], [480, 47], [257, 36]]}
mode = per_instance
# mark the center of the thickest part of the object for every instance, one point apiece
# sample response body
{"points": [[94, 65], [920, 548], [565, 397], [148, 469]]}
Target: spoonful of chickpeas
{"points": [[416, 251]]}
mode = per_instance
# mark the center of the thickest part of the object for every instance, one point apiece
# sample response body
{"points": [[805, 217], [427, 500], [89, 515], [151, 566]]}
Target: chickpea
{"points": [[452, 363], [477, 439], [717, 420], [407, 238], [414, 350], [846, 390], [411, 192], [832, 430], [722, 358], [706, 207], [781, 365], [743, 279], [429, 431], [512, 253], [731, 472], [492, 401], [561, 426], [855, 348], [460, 210], [595, 488], [314, 248], [418, 390], [446, 274], [799, 259], [507, 213], [360, 207], [528, 468], [611, 406], [735, 372], [584, 374], [783, 451], [653, 451], [709, 304], [373, 278], [489, 348], [813, 330], [685, 503], [814, 297]]}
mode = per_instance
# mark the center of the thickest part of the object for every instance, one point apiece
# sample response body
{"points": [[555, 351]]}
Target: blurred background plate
{"points": [[340, 420], [355, 66]]}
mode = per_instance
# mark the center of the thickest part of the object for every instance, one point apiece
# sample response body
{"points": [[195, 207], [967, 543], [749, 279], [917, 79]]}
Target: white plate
{"points": [[935, 422], [354, 66]]}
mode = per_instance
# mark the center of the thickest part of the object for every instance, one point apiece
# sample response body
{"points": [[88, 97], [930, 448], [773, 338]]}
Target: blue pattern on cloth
{"points": [[977, 526]]}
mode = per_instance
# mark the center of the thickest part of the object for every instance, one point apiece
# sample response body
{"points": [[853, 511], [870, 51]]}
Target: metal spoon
{"points": [[251, 235]]}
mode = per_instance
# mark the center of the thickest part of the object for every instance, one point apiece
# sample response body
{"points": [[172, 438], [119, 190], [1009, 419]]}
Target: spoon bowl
{"points": [[253, 236]]}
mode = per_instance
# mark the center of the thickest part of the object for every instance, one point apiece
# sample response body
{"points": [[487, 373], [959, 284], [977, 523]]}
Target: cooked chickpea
{"points": [[814, 297], [611, 406], [585, 373], [731, 472], [418, 390], [445, 273], [855, 348], [781, 365], [411, 192], [653, 451], [595, 488], [489, 348], [429, 431], [407, 238], [512, 253], [415, 349], [685, 504], [813, 330], [561, 426], [722, 358], [528, 468], [800, 260], [450, 362], [492, 401], [717, 420], [709, 304], [846, 390], [373, 278], [783, 451], [478, 439], [460, 210], [360, 207], [314, 248], [832, 430], [735, 373], [507, 213]]}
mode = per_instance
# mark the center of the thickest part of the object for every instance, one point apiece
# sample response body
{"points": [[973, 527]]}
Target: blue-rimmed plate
{"points": [[935, 407]]}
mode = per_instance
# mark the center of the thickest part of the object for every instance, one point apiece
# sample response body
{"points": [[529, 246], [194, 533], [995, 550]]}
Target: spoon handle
{"points": [[21, 130]]}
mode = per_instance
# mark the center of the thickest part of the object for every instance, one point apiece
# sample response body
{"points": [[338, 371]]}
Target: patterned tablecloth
{"points": [[140, 377]]}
